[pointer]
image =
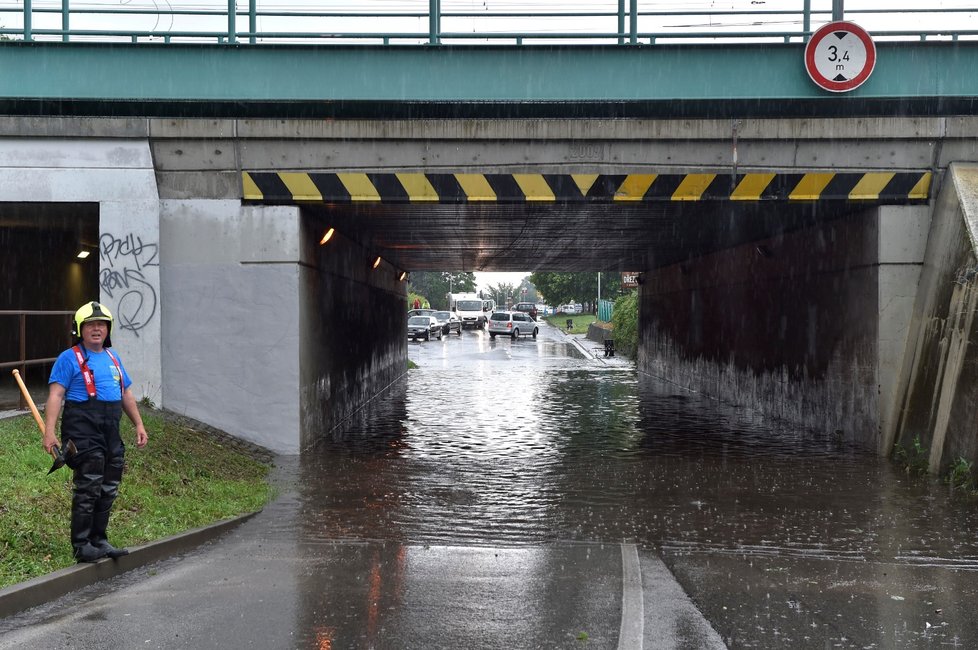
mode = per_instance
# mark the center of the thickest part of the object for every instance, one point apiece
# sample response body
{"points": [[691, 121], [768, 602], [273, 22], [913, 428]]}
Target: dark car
{"points": [[423, 327], [527, 308], [449, 322]]}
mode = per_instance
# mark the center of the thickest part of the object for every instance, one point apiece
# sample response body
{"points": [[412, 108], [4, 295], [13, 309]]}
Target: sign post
{"points": [[840, 56]]}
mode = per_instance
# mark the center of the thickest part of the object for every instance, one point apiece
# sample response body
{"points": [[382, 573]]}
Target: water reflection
{"points": [[514, 444]]}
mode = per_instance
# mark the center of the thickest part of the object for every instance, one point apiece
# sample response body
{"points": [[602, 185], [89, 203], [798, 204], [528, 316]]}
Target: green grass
{"points": [[181, 480], [581, 321], [913, 459], [960, 475]]}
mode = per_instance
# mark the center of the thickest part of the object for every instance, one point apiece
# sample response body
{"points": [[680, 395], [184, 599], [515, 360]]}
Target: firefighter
{"points": [[92, 384]]}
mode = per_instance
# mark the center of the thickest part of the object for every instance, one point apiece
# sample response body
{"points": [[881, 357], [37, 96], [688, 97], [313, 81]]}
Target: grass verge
{"points": [[580, 322], [181, 480]]}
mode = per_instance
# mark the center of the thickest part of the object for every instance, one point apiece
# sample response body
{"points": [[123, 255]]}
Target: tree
{"points": [[501, 292], [560, 288], [556, 288], [435, 285]]}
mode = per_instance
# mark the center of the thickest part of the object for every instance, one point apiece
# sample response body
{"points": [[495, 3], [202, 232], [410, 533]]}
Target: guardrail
{"points": [[434, 22], [22, 362]]}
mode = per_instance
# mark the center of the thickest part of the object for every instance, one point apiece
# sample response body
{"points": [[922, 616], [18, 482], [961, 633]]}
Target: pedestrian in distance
{"points": [[92, 384], [417, 304]]}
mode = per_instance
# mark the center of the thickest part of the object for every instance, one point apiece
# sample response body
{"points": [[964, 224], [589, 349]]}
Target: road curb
{"points": [[37, 591]]}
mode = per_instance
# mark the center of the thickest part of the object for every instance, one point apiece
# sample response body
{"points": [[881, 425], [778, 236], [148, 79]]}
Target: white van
{"points": [[470, 308]]}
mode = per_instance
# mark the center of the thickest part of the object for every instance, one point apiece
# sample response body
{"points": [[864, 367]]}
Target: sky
{"points": [[478, 15], [484, 278]]}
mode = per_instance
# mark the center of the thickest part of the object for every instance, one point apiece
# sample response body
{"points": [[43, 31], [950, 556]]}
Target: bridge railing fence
{"points": [[434, 22]]}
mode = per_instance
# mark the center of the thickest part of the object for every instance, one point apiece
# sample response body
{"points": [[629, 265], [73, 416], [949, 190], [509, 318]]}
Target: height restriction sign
{"points": [[840, 56]]}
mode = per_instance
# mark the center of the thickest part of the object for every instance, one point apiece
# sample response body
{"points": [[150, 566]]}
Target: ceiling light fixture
{"points": [[402, 277], [376, 262], [327, 236], [82, 255]]}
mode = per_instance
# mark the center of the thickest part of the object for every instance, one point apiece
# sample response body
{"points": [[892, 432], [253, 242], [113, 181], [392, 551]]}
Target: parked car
{"points": [[526, 308], [513, 324], [420, 312], [448, 322], [423, 327]]}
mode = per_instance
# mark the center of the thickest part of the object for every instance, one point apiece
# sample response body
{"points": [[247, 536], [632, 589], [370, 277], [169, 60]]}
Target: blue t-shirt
{"points": [[67, 373]]}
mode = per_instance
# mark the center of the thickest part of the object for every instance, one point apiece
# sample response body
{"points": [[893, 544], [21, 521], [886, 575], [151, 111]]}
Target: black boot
{"points": [[112, 476], [81, 527], [88, 484], [100, 521]]}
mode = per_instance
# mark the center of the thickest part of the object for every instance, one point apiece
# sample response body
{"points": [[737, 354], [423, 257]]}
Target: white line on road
{"points": [[632, 605]]}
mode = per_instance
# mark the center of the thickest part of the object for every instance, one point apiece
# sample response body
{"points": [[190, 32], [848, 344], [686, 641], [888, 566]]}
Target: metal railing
{"points": [[22, 362], [434, 22]]}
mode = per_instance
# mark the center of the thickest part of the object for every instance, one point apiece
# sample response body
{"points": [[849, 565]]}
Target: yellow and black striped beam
{"points": [[310, 187]]}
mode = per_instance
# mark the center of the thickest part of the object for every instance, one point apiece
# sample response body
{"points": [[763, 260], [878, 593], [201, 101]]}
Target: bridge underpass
{"points": [[781, 303]]}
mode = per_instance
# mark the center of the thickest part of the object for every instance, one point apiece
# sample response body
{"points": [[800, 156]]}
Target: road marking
{"points": [[632, 606]]}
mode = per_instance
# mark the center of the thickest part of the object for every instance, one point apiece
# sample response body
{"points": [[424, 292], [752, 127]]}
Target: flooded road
{"points": [[524, 494], [781, 536]]}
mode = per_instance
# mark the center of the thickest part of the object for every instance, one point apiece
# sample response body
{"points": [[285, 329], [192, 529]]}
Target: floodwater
{"points": [[525, 494], [780, 536]]}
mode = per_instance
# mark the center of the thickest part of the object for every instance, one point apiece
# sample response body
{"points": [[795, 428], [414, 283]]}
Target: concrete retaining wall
{"points": [[937, 389], [791, 326]]}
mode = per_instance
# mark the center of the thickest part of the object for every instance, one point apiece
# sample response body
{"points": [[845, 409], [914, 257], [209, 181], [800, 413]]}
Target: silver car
{"points": [[449, 322], [423, 327], [513, 324]]}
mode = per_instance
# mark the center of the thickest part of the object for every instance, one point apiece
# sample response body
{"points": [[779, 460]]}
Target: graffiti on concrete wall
{"points": [[123, 260]]}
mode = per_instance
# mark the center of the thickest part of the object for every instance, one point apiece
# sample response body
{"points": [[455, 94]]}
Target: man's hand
{"points": [[49, 441], [141, 436]]}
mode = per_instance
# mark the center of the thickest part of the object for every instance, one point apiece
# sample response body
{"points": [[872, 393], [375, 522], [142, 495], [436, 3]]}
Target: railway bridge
{"points": [[806, 254]]}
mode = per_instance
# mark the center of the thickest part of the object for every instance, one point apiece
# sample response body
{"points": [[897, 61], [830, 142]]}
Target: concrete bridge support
{"points": [[808, 326], [268, 334], [936, 398]]}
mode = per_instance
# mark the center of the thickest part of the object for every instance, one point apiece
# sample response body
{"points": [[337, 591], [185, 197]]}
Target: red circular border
{"points": [[839, 86]]}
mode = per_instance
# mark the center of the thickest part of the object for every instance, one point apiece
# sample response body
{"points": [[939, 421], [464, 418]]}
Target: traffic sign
{"points": [[840, 56]]}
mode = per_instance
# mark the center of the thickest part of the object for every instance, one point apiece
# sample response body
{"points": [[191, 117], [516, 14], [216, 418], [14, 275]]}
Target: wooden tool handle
{"points": [[30, 402]]}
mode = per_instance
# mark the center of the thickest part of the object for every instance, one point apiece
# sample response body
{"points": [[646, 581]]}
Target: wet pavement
{"points": [[523, 494]]}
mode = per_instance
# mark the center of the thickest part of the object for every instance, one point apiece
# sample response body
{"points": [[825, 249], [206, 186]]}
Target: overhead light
{"points": [[376, 262], [402, 277], [327, 236], [82, 255]]}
